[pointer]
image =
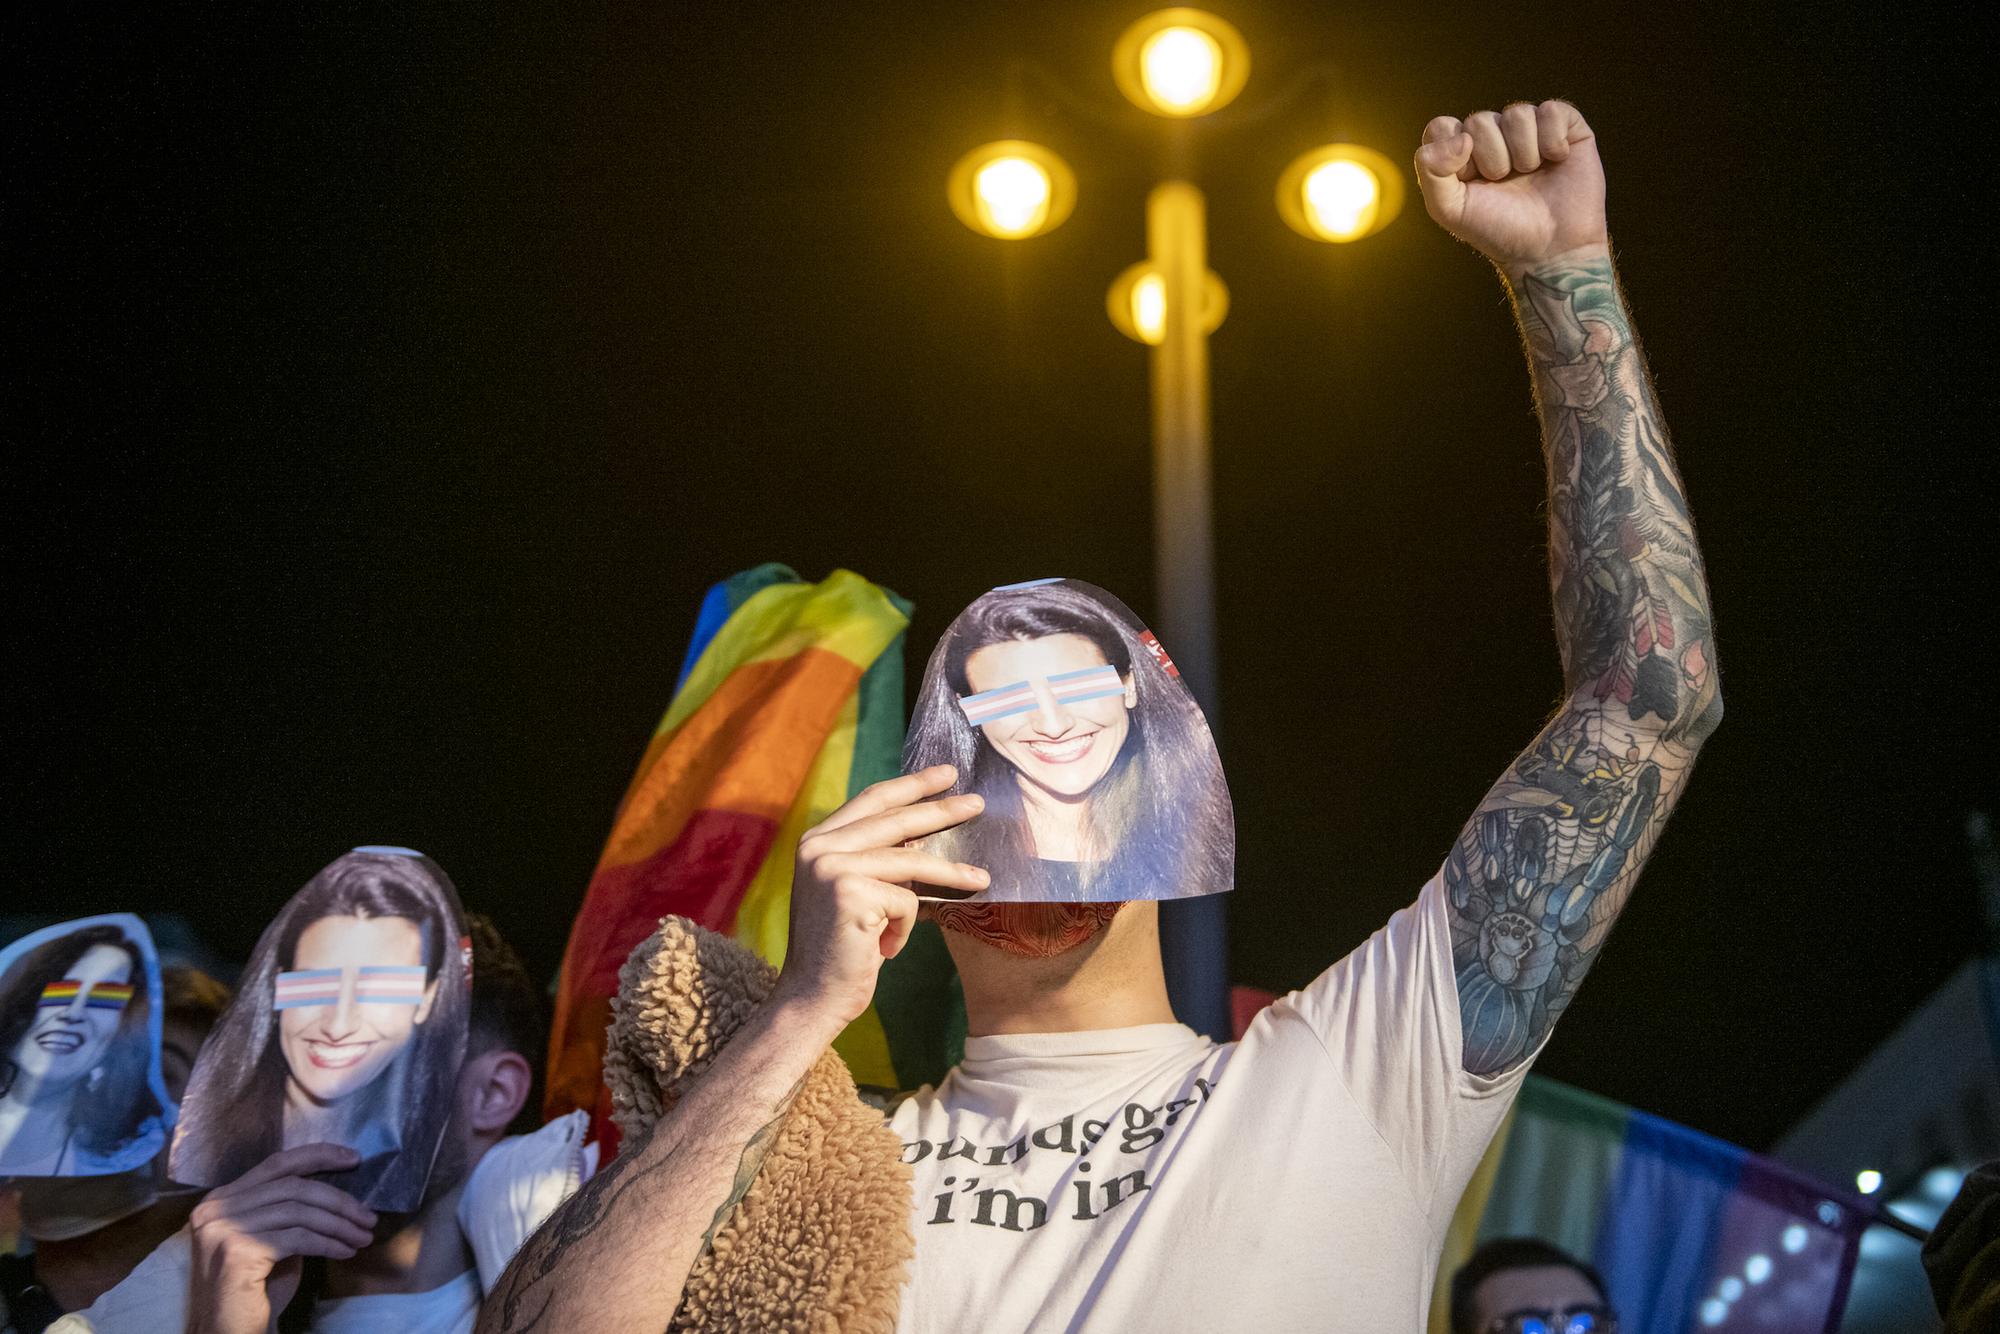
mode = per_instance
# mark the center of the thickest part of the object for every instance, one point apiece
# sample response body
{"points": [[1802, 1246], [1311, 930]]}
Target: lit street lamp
{"points": [[1137, 303], [1011, 190], [1180, 64], [1342, 192]]}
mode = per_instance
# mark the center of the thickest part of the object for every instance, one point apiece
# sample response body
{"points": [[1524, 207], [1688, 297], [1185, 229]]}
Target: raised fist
{"points": [[1520, 185]]}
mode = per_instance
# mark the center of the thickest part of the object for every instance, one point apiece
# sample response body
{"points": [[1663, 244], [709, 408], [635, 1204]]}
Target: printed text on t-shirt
{"points": [[1135, 1128]]}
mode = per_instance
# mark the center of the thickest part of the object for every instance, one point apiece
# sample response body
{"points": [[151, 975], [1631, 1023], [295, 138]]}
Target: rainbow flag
{"points": [[1690, 1233], [790, 699]]}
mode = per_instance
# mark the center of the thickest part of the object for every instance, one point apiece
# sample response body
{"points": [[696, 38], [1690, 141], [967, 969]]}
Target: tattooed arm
{"points": [[617, 1253], [1546, 862]]}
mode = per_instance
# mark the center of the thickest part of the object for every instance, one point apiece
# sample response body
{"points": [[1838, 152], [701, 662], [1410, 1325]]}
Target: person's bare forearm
{"points": [[617, 1254], [1631, 596], [1541, 871]]}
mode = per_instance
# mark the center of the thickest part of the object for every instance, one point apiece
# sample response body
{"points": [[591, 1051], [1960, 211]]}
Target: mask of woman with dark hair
{"points": [[75, 1021], [1061, 714], [354, 994], [348, 1028], [1101, 781]]}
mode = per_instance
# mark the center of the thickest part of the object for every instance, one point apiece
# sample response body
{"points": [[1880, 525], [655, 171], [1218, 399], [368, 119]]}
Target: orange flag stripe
{"points": [[711, 763]]}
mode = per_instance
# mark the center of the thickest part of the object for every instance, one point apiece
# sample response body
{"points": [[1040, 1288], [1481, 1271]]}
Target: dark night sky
{"points": [[385, 390]]}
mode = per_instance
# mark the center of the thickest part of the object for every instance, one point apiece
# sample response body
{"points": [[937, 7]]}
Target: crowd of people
{"points": [[277, 1245], [354, 1140], [281, 1231]]}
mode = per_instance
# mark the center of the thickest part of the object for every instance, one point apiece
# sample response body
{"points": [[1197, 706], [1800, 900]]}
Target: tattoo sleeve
{"points": [[1543, 867]]}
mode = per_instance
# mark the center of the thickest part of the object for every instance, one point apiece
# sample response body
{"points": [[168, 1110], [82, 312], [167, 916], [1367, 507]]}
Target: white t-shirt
{"points": [[1147, 1178], [154, 1296], [451, 1308], [516, 1185]]}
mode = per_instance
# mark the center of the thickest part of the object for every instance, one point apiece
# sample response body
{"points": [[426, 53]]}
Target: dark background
{"points": [[386, 388]]}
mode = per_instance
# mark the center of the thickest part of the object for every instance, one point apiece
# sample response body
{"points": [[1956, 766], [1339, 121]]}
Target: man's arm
{"points": [[617, 1254], [1541, 870]]}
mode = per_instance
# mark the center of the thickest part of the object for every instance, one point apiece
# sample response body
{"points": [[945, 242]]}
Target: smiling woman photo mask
{"points": [[80, 1086], [349, 1027], [1102, 783]]}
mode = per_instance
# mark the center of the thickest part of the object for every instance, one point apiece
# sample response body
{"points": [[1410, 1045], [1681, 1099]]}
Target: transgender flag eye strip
{"points": [[103, 996], [1067, 687], [310, 986], [374, 985], [390, 986]]}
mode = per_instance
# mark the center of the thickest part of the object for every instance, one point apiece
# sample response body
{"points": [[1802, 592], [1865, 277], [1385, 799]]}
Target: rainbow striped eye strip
{"points": [[103, 996], [1067, 687], [375, 985]]}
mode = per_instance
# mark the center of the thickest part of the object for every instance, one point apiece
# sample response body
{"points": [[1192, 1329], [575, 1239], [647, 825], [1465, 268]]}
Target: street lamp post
{"points": [[1194, 932], [1183, 520], [1180, 64]]}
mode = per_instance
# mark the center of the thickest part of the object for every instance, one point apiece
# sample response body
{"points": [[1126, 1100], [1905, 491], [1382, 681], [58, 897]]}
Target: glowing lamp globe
{"points": [[1341, 192], [1137, 304], [1011, 189], [1180, 63]]}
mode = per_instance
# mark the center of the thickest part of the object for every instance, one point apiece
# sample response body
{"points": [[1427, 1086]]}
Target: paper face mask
{"points": [[1101, 780], [349, 1026], [80, 1086]]}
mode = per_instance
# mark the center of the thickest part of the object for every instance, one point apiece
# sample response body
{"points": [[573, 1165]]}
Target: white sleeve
{"points": [[153, 1297], [517, 1185], [1387, 1016]]}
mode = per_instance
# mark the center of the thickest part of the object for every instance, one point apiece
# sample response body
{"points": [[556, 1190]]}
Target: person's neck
{"points": [[79, 1270], [36, 1116], [426, 1251], [1113, 980], [1055, 822], [306, 1116]]}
